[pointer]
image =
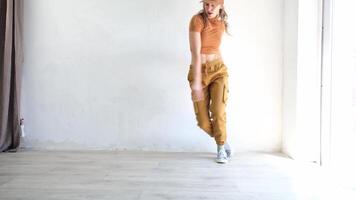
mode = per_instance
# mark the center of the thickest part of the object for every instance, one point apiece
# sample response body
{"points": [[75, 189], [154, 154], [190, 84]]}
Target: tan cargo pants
{"points": [[210, 112]]}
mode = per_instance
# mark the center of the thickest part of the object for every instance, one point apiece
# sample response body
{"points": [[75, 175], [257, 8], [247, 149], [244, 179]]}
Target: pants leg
{"points": [[218, 93], [202, 114]]}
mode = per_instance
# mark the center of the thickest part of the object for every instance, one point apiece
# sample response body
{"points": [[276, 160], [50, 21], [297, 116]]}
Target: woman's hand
{"points": [[197, 91]]}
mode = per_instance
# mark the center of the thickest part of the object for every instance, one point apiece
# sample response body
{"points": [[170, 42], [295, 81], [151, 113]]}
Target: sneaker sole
{"points": [[221, 161]]}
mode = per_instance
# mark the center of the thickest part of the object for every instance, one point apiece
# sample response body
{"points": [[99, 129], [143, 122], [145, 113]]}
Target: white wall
{"points": [[302, 76], [343, 67], [289, 74], [112, 75]]}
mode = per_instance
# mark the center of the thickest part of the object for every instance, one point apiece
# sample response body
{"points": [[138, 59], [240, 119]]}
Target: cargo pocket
{"points": [[195, 107], [225, 93], [189, 77]]}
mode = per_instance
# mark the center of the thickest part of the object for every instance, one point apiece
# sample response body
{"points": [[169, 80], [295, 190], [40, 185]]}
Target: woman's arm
{"points": [[195, 46]]}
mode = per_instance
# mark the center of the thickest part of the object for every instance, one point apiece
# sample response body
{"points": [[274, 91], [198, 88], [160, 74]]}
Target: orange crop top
{"points": [[210, 35]]}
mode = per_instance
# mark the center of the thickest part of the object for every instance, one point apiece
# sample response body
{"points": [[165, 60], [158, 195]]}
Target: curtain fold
{"points": [[11, 59]]}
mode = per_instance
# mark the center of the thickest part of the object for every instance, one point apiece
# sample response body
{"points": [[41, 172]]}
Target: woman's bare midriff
{"points": [[209, 57]]}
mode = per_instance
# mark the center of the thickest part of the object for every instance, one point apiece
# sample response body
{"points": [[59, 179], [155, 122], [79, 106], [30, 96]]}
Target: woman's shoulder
{"points": [[196, 23], [197, 17]]}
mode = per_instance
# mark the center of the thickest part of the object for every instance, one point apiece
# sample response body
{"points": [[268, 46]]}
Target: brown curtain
{"points": [[11, 59]]}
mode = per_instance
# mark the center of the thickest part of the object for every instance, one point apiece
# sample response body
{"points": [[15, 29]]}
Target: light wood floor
{"points": [[79, 175]]}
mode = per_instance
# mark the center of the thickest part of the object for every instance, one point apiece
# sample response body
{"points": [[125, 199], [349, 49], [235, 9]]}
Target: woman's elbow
{"points": [[195, 53]]}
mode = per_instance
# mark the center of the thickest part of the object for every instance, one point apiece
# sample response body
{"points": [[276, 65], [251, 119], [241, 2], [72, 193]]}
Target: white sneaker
{"points": [[221, 156], [229, 151]]}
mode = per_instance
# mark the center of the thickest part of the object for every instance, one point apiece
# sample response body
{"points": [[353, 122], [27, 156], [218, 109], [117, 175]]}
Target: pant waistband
{"points": [[213, 63], [212, 66]]}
